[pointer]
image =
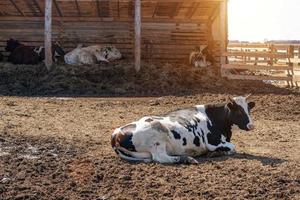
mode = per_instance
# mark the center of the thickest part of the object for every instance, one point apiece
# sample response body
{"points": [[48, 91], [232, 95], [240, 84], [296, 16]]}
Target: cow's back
{"points": [[23, 55]]}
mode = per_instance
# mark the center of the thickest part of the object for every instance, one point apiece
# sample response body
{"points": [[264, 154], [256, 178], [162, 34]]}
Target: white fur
{"points": [[92, 54]]}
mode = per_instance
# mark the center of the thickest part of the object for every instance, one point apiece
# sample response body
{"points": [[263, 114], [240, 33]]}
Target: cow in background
{"points": [[200, 57], [92, 54], [29, 55], [57, 52]]}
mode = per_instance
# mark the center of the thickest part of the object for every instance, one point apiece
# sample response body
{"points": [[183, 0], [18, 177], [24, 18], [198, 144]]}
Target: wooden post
{"points": [[137, 28], [224, 33], [48, 34]]}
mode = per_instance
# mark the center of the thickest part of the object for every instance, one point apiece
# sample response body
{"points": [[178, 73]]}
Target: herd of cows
{"points": [[30, 55], [180, 135]]}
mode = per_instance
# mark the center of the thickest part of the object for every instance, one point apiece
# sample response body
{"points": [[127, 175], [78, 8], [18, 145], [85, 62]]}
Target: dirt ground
{"points": [[59, 147]]}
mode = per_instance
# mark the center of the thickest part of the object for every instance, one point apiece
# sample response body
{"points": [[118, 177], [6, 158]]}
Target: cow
{"points": [[200, 57], [29, 55], [92, 54], [57, 52], [1, 57], [179, 136]]}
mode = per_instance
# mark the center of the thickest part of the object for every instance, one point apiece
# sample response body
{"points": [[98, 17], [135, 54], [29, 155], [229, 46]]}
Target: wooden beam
{"points": [[107, 19], [155, 10], [38, 6], [176, 9], [256, 54], [259, 78], [48, 34], [137, 28], [214, 13], [57, 8], [223, 32], [256, 67], [78, 8], [118, 8], [16, 7], [98, 8], [192, 10]]}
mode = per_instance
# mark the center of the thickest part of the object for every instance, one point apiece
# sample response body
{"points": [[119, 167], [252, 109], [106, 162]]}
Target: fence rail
{"points": [[261, 61]]}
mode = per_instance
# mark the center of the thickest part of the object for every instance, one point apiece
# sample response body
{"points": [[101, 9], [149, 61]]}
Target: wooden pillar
{"points": [[223, 32], [137, 30], [48, 34]]}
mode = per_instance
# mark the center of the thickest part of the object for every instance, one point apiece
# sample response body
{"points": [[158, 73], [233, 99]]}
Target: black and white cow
{"points": [[201, 57], [28, 55], [181, 135]]}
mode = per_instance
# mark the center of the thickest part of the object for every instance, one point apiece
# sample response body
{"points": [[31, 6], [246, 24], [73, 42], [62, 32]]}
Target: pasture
{"points": [[59, 147]]}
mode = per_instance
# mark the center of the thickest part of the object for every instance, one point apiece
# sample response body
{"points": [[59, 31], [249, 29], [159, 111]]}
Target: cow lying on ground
{"points": [[200, 57], [183, 134], [92, 54], [28, 55]]}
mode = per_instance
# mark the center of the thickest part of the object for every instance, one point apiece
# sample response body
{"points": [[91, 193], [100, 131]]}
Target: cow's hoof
{"points": [[232, 152], [188, 160]]}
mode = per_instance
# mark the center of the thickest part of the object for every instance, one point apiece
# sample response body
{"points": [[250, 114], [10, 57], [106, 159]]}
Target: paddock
{"points": [[61, 150], [56, 120]]}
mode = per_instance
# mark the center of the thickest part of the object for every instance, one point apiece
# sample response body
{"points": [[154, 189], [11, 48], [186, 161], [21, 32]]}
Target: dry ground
{"points": [[59, 148]]}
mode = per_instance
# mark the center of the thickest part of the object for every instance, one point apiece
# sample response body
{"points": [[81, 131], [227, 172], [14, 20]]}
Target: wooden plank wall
{"points": [[170, 30]]}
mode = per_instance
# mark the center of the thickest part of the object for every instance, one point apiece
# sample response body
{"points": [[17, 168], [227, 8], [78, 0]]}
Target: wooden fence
{"points": [[268, 62]]}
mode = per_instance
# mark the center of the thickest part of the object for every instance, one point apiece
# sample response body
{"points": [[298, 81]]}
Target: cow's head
{"points": [[11, 45], [198, 57], [108, 53], [239, 112], [58, 51]]}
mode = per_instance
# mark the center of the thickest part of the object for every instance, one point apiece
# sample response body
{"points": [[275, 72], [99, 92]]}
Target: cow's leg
{"points": [[159, 154]]}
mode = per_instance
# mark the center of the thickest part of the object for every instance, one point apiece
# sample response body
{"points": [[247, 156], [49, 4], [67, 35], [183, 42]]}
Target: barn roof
{"points": [[110, 10]]}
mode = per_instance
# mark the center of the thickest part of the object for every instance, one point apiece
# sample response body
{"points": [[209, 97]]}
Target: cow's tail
{"points": [[126, 154]]}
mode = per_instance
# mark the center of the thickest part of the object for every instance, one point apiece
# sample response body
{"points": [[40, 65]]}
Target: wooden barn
{"points": [[158, 30]]}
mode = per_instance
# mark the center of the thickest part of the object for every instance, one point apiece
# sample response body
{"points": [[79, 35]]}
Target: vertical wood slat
{"points": [[223, 32], [48, 34], [137, 28]]}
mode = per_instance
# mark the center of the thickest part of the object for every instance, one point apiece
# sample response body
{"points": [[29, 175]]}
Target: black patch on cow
{"points": [[197, 141], [219, 123], [149, 120], [126, 142], [184, 142], [223, 149], [214, 136], [176, 135], [203, 138], [125, 138]]}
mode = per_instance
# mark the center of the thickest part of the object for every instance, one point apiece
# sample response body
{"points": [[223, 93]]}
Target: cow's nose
{"points": [[251, 126]]}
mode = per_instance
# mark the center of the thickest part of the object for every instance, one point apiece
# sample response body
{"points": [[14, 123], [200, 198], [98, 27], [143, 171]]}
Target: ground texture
{"points": [[59, 148]]}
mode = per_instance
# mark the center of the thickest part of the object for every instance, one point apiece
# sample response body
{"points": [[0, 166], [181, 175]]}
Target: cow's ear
{"points": [[251, 105]]}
